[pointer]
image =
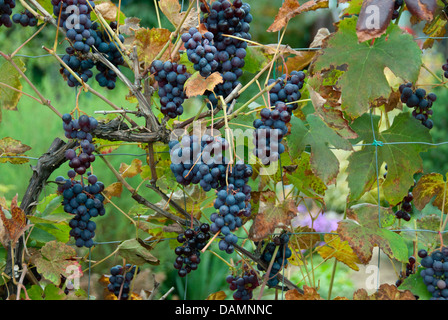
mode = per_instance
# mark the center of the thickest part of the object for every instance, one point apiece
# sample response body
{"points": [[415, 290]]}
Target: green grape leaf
{"points": [[319, 136], [364, 230], [425, 239], [57, 259], [365, 80], [428, 187], [135, 251], [402, 159], [305, 180]]}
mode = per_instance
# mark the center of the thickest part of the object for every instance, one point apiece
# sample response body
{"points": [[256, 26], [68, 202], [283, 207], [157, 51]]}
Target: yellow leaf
{"points": [[220, 295], [114, 190], [129, 171], [336, 248], [196, 85]]}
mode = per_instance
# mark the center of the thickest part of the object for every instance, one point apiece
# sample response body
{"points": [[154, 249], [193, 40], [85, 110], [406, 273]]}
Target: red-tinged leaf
{"points": [[365, 229], [15, 226], [422, 9], [150, 42], [196, 85], [58, 259], [385, 292], [292, 8], [271, 215], [308, 294], [374, 18]]}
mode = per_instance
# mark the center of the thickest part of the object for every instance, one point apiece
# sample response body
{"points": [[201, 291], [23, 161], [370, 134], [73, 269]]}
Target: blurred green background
{"points": [[37, 126]]}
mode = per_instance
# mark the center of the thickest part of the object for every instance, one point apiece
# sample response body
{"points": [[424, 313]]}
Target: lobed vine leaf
{"points": [[431, 186], [363, 232], [365, 80], [319, 136], [403, 160]]}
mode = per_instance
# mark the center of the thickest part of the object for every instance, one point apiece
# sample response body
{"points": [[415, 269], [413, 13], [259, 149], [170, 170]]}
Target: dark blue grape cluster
{"points": [[80, 129], [244, 284], [120, 280], [272, 125], [25, 19], [75, 19], [280, 259], [435, 272], [110, 48], [171, 78], [227, 18], [287, 90], [188, 253], [84, 202], [200, 51], [80, 199], [82, 67], [6, 7], [231, 205], [420, 101], [269, 132], [199, 160]]}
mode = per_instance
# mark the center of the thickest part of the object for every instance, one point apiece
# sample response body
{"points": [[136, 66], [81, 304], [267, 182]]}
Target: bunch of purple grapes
{"points": [[6, 7], [244, 284], [188, 253], [80, 129], [227, 18], [280, 258], [84, 201], [120, 280], [420, 101], [75, 19], [406, 208], [230, 205], [107, 77], [80, 66], [435, 272], [25, 19], [287, 89], [199, 160], [171, 78], [200, 51]]}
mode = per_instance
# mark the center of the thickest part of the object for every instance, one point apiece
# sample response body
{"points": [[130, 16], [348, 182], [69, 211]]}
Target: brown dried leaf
{"points": [[149, 43], [172, 10], [130, 25], [114, 190], [271, 216], [15, 226], [422, 9], [108, 10], [308, 294], [11, 147], [385, 292], [374, 18], [129, 171], [292, 8], [196, 85]]}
